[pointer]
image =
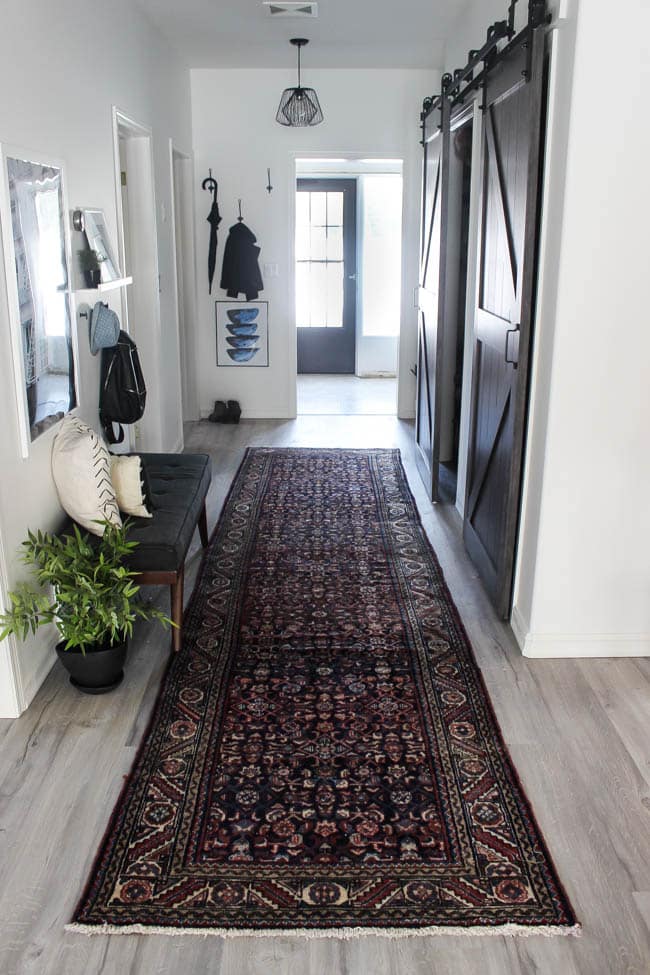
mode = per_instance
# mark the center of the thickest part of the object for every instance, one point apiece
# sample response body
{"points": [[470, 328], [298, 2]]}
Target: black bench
{"points": [[178, 484]]}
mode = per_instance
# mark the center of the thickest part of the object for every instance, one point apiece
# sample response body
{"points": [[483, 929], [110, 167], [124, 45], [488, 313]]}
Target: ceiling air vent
{"points": [[290, 8]]}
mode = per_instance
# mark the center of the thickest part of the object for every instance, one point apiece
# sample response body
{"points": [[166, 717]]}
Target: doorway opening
{"points": [[183, 242], [348, 285], [460, 181], [137, 237]]}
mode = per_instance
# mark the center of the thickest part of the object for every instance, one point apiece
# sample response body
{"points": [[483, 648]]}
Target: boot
{"points": [[234, 411], [219, 413]]}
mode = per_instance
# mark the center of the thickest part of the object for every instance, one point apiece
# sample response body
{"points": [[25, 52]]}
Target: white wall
{"points": [[583, 587], [583, 580], [235, 133], [62, 67]]}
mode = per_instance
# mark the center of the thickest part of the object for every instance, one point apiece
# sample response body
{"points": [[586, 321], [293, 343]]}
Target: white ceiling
{"points": [[346, 34]]}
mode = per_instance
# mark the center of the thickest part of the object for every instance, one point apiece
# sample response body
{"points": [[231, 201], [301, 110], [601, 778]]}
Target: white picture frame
{"points": [[18, 274]]}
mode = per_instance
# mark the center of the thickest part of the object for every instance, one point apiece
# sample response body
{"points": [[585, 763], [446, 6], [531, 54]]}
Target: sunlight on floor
{"points": [[346, 395]]}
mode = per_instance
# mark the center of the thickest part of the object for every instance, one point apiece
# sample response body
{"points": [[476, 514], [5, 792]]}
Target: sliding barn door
{"points": [[504, 315], [431, 296]]}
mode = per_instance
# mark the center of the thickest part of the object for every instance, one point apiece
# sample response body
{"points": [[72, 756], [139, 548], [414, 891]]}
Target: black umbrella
{"points": [[214, 219]]}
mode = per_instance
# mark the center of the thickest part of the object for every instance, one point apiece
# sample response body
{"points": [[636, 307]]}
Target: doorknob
{"points": [[513, 362]]}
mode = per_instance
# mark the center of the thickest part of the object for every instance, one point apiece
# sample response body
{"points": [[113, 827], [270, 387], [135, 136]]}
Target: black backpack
{"points": [[122, 392]]}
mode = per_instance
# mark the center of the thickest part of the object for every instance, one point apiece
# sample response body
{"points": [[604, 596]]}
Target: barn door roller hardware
{"points": [[463, 81]]}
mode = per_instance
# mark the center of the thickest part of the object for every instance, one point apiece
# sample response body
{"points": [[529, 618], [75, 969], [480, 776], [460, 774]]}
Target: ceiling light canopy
{"points": [[299, 106]]}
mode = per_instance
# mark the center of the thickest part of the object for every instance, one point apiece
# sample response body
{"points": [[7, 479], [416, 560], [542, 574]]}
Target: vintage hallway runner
{"points": [[323, 758]]}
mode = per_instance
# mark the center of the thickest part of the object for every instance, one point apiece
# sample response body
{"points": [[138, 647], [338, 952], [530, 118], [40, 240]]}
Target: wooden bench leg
{"points": [[177, 610], [203, 526]]}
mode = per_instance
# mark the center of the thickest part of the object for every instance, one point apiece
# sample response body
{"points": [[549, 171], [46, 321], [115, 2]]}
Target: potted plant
{"points": [[90, 264], [94, 606]]}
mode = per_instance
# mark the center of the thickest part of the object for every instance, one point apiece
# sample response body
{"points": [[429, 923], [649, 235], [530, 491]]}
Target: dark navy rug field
{"points": [[323, 758]]}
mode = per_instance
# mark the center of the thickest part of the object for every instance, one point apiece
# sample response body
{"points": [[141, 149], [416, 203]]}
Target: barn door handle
{"points": [[511, 331]]}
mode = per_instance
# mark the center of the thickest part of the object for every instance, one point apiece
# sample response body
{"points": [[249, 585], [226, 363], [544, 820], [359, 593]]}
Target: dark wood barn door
{"points": [[431, 296], [504, 315]]}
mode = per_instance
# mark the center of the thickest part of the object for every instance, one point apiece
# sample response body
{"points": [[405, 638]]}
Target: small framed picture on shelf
{"points": [[242, 333]]}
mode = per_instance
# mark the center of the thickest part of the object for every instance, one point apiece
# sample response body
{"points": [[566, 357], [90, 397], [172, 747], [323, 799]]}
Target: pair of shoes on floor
{"points": [[229, 412]]}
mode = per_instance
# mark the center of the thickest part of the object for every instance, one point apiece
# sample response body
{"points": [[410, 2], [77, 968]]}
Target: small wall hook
{"points": [[209, 183], [239, 218], [268, 176]]}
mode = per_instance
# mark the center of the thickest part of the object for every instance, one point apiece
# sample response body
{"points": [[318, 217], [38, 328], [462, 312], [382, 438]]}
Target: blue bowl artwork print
{"points": [[242, 329], [242, 316], [242, 334], [242, 355]]}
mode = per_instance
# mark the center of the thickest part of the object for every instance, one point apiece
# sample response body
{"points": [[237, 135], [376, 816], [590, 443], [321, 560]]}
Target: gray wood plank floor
{"points": [[577, 731]]}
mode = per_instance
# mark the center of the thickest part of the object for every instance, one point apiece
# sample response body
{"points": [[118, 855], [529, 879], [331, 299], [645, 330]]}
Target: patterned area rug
{"points": [[323, 758]]}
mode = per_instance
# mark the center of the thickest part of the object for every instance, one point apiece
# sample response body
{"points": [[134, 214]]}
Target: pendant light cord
{"points": [[299, 65]]}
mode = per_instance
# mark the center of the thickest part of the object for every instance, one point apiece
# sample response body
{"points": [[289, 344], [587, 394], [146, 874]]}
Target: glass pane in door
{"points": [[319, 259]]}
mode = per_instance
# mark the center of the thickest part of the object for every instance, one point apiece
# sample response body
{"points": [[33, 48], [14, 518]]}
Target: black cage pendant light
{"points": [[299, 106]]}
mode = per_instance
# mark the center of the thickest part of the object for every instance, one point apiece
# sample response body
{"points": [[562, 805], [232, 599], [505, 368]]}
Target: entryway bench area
{"points": [[178, 485]]}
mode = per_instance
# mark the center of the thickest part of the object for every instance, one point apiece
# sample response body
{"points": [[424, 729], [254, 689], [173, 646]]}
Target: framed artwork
{"points": [[242, 333], [33, 208], [97, 236]]}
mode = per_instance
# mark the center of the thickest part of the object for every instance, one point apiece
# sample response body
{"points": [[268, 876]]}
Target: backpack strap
{"points": [[109, 430]]}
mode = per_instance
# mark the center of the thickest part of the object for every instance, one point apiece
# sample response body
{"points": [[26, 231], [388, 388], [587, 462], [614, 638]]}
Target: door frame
{"points": [[185, 328], [411, 192], [147, 433], [350, 258]]}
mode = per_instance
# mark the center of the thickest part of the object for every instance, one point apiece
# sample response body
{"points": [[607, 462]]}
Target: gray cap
{"points": [[104, 328]]}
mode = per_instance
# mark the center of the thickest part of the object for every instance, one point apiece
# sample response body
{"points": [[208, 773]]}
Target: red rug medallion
{"points": [[323, 757]]}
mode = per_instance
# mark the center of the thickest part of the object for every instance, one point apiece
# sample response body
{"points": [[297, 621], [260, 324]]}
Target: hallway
{"points": [[576, 731], [346, 395]]}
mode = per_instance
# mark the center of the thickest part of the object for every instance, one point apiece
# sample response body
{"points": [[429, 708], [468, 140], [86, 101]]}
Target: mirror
{"points": [[36, 258], [98, 240]]}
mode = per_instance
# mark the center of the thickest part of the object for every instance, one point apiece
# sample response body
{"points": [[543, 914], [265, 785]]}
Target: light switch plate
{"points": [[271, 271]]}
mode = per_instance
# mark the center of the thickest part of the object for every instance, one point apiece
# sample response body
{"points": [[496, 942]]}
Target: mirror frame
{"points": [[20, 379], [107, 258]]}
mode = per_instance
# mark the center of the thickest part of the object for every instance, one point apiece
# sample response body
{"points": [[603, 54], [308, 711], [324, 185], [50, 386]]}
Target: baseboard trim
{"points": [[178, 447], [257, 415], [519, 627], [31, 688], [549, 645]]}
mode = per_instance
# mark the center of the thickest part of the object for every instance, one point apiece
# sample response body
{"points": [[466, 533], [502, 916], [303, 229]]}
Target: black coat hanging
{"points": [[241, 270], [214, 219]]}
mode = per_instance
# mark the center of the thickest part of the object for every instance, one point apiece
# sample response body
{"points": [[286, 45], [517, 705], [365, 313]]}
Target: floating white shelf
{"points": [[108, 285]]}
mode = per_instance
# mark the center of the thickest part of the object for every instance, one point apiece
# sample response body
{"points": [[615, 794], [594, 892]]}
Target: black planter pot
{"points": [[97, 671]]}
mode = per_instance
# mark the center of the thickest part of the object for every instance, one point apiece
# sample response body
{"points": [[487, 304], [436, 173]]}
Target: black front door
{"points": [[326, 288]]}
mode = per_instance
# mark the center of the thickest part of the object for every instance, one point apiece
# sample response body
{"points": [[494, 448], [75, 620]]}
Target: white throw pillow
{"points": [[81, 468], [126, 474]]}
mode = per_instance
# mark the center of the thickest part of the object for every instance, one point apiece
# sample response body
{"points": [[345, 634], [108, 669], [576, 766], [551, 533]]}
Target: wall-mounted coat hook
{"points": [[210, 184], [268, 176], [239, 218]]}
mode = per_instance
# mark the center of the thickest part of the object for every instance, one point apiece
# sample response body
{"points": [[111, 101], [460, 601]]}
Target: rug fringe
{"points": [[344, 934]]}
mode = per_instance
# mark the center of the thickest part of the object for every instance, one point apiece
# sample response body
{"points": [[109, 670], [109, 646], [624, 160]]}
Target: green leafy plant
{"points": [[89, 260], [95, 600]]}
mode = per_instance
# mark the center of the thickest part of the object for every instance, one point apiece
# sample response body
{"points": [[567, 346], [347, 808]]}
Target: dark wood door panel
{"points": [[504, 315], [431, 296]]}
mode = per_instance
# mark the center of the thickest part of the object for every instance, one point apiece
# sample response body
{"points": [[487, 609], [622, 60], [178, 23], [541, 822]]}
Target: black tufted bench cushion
{"points": [[178, 484]]}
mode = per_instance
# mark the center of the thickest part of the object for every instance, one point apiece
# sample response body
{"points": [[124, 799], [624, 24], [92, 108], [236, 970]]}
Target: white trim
{"points": [[178, 447], [257, 415], [520, 627], [549, 645], [38, 676], [345, 934]]}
